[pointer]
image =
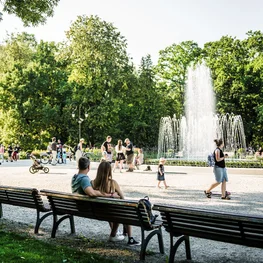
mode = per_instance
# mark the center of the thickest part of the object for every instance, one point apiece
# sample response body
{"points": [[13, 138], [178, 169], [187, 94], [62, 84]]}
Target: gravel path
{"points": [[186, 188]]}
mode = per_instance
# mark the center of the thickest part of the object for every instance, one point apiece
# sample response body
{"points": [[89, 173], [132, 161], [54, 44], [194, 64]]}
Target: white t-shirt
{"points": [[122, 150]]}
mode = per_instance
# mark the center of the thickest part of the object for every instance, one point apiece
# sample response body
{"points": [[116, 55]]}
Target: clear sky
{"points": [[151, 25]]}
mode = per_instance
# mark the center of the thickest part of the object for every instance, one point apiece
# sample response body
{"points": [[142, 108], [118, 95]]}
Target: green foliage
{"points": [[97, 68], [32, 12], [237, 72], [41, 84], [171, 73], [32, 93]]}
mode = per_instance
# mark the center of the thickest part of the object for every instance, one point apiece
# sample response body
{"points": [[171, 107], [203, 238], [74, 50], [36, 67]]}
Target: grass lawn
{"points": [[23, 248]]}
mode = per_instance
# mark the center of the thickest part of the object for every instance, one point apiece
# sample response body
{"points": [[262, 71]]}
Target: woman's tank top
{"points": [[220, 163]]}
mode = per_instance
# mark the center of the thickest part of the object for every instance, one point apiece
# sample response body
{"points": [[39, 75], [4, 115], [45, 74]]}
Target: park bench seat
{"points": [[127, 212], [182, 222], [25, 197]]}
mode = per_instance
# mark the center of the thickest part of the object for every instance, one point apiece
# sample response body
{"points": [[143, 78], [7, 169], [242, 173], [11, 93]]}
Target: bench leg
{"points": [[40, 220], [146, 240], [174, 247], [187, 248], [57, 222]]}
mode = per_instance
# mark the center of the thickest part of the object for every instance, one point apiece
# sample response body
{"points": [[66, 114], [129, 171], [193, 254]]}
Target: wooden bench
{"points": [[24, 197], [124, 212], [214, 225]]}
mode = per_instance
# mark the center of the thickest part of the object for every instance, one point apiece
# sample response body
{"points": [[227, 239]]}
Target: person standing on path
{"points": [[219, 171], [130, 155], [160, 173], [119, 149], [2, 153], [54, 150], [79, 151], [10, 153], [81, 184], [106, 150]]}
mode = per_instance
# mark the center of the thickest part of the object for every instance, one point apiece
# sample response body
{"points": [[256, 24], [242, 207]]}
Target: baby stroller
{"points": [[37, 165]]}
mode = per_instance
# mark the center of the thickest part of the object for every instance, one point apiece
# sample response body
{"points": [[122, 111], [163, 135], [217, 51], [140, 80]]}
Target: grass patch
{"points": [[23, 248]]}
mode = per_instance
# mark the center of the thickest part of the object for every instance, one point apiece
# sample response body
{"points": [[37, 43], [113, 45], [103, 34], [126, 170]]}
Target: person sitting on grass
{"points": [[81, 184], [105, 184]]}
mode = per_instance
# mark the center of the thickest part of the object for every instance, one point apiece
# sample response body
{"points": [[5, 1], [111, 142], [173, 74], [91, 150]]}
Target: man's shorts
{"points": [[129, 159]]}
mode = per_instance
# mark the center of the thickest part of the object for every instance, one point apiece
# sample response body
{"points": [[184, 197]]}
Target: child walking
{"points": [[160, 174]]}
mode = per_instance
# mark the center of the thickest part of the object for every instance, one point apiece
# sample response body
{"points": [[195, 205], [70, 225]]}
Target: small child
{"points": [[64, 157], [160, 174]]}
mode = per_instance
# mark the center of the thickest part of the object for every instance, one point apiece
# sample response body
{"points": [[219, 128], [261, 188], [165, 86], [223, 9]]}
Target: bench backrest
{"points": [[105, 209], [215, 225], [19, 196]]}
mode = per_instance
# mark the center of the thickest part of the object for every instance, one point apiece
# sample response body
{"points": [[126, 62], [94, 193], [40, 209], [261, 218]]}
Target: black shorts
{"points": [[120, 157]]}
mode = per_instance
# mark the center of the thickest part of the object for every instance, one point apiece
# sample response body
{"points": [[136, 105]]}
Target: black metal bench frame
{"points": [[182, 222], [127, 212], [25, 197]]}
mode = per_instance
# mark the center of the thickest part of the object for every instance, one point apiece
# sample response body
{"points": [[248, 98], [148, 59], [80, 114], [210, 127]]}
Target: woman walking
{"points": [[219, 171]]}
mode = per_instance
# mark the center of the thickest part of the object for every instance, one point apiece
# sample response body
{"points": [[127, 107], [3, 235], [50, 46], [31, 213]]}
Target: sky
{"points": [[151, 25]]}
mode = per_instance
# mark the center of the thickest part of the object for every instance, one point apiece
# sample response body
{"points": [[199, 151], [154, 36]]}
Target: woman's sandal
{"points": [[228, 193], [208, 195], [225, 197]]}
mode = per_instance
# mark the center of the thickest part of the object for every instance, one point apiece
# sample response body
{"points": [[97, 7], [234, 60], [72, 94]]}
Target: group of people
{"points": [[123, 154], [12, 151], [57, 151], [105, 186]]}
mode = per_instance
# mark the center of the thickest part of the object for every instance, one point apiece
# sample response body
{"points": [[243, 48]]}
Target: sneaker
{"points": [[129, 170], [117, 238], [133, 242]]}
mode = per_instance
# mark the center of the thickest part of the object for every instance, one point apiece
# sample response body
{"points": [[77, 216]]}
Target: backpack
{"points": [[211, 160], [145, 201]]}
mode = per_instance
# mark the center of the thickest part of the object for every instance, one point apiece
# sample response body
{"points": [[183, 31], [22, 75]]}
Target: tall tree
{"points": [[143, 107], [33, 93], [98, 63], [237, 72]]}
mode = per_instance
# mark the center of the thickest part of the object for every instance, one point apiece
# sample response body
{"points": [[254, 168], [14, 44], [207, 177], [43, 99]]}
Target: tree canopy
{"points": [[42, 84], [31, 12]]}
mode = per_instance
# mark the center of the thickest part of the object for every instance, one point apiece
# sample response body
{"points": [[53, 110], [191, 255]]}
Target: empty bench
{"points": [[24, 197], [183, 222], [127, 212]]}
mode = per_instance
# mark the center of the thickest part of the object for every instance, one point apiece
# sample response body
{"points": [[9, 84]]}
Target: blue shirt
{"points": [[79, 183]]}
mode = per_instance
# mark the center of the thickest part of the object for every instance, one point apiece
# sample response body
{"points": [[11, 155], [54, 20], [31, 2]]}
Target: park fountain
{"points": [[192, 136]]}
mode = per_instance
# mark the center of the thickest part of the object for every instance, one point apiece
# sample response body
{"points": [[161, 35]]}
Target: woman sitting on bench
{"points": [[105, 184]]}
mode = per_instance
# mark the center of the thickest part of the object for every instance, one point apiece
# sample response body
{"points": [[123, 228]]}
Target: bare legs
{"points": [[164, 182], [118, 163], [212, 187], [223, 188]]}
